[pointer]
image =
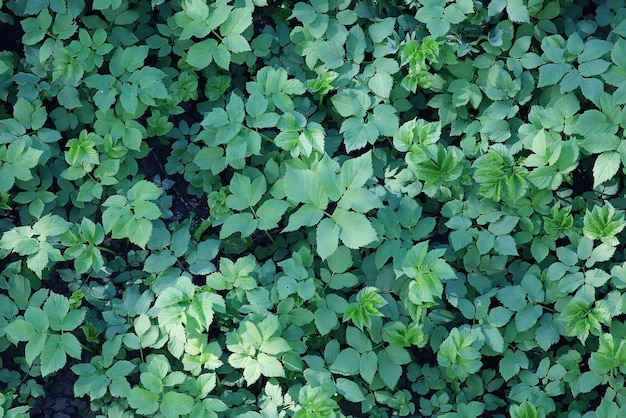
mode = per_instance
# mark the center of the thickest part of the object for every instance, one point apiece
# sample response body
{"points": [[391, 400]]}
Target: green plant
{"points": [[326, 208]]}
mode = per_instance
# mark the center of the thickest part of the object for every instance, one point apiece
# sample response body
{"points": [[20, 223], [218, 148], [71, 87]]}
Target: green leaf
{"points": [[245, 193], [144, 190], [20, 330], [358, 133], [240, 222], [381, 84], [53, 356], [200, 55], [327, 238], [380, 30], [144, 401], [350, 102], [70, 344], [366, 306], [325, 320], [270, 213], [368, 366], [551, 74], [589, 380], [270, 366], [505, 245], [499, 316], [494, 339], [331, 52], [517, 11], [158, 262], [127, 60], [512, 363], [304, 186], [603, 223], [56, 308], [68, 97], [524, 410], [547, 333], [606, 166], [504, 225], [356, 229], [388, 371], [349, 390], [527, 317], [355, 172], [346, 363], [236, 43], [51, 225], [175, 404]]}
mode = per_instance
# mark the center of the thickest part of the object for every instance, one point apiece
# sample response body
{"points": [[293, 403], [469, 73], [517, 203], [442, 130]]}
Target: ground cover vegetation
{"points": [[248, 208]]}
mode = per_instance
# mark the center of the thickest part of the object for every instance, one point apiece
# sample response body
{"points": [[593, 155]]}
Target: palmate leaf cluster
{"points": [[315, 209]]}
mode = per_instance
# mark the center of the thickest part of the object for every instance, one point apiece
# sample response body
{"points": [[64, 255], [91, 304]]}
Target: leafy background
{"points": [[334, 208]]}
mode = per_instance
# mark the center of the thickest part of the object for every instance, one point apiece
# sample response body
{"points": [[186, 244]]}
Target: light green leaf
{"points": [[144, 401], [270, 366], [499, 316], [307, 215], [517, 11], [20, 330], [325, 320], [494, 339], [327, 238], [53, 356], [270, 213], [302, 185], [606, 166], [356, 229], [239, 222], [355, 172], [350, 102], [346, 363], [527, 317], [512, 363], [505, 245], [381, 83], [350, 390], [388, 371], [56, 308], [200, 55], [70, 344], [159, 261], [358, 133], [175, 404]]}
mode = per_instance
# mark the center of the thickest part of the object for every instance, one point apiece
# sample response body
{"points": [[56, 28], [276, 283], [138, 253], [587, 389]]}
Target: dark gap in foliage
{"points": [[11, 34], [582, 181]]}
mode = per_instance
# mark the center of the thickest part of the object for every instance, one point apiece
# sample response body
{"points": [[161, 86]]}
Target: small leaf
{"points": [[605, 167]]}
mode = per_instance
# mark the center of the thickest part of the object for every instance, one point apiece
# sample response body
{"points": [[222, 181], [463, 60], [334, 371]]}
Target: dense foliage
{"points": [[314, 209]]}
